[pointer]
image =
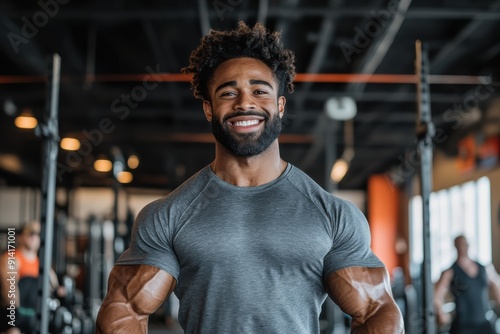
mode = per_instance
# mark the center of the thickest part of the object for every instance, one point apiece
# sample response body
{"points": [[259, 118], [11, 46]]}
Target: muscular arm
{"points": [[365, 294], [134, 292], [440, 290], [493, 283]]}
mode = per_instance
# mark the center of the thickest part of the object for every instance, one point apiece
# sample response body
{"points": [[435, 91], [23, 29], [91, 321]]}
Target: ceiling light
{"points": [[102, 164], [125, 177], [9, 107], [341, 109], [26, 120], [133, 162], [11, 163], [70, 144], [339, 170]]}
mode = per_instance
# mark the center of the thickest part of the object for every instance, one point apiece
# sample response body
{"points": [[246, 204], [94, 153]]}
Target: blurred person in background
{"points": [[27, 266], [470, 284]]}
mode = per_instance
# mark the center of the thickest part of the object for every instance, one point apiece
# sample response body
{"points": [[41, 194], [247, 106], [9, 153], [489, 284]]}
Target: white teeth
{"points": [[246, 123]]}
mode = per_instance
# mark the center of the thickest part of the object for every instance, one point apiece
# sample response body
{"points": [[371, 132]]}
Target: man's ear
{"points": [[281, 106], [207, 109]]}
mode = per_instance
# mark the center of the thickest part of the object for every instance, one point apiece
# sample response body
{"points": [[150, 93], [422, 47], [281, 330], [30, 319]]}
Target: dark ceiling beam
{"points": [[159, 54], [368, 65], [491, 53], [441, 61], [204, 16], [25, 52], [379, 48], [154, 43], [283, 23], [72, 55], [273, 12], [377, 78], [263, 11], [447, 52], [326, 35], [438, 65]]}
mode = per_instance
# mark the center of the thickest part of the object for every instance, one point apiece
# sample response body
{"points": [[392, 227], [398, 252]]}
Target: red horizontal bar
{"points": [[300, 77]]}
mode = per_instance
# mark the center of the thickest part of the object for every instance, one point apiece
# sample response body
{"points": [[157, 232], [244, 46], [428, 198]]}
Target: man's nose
{"points": [[245, 101]]}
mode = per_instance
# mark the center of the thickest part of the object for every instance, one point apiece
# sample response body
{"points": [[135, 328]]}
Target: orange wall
{"points": [[383, 215]]}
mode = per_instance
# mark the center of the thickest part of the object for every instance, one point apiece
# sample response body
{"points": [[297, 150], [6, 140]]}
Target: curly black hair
{"points": [[257, 42]]}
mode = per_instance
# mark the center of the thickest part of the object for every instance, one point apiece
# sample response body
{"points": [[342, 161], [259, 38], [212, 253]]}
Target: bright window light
{"points": [[463, 209]]}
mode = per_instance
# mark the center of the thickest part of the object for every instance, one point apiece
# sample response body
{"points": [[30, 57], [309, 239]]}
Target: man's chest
{"points": [[247, 237]]}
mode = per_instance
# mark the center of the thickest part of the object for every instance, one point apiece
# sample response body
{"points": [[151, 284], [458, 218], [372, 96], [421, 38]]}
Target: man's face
{"points": [[462, 246], [245, 110], [31, 237]]}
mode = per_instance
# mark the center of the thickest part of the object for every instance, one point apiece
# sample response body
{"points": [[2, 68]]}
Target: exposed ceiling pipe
{"points": [[263, 11], [442, 60], [369, 64], [300, 77], [326, 35], [91, 54], [448, 52], [277, 12], [204, 17]]}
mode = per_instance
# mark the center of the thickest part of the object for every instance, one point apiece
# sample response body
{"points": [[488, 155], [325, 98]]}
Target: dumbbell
{"points": [[60, 318], [69, 285], [76, 325]]}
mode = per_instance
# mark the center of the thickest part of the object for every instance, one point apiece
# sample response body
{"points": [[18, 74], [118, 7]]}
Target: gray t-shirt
{"points": [[250, 259]]}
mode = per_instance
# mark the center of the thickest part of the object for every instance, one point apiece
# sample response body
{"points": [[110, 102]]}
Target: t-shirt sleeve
{"points": [[351, 240], [151, 240]]}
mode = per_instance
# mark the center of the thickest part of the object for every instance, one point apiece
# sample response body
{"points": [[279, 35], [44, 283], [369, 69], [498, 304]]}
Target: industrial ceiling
{"points": [[121, 94]]}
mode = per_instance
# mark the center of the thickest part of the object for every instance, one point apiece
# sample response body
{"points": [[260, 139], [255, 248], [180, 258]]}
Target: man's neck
{"points": [[28, 254], [248, 171], [464, 260]]}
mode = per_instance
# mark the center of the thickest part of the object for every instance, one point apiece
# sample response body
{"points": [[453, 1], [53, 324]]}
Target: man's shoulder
{"points": [[181, 196], [312, 191], [303, 182], [193, 185]]}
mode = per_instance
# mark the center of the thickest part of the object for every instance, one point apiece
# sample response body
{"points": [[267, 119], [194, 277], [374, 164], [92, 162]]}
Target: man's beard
{"points": [[247, 144]]}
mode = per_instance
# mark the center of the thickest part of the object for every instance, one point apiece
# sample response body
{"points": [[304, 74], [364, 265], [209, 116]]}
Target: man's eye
{"points": [[260, 92], [228, 94]]}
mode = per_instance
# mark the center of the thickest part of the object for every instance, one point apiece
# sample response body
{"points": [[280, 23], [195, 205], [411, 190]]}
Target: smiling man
{"points": [[249, 244]]}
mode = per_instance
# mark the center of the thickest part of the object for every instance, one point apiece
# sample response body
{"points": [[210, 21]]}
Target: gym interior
{"points": [[396, 108]]}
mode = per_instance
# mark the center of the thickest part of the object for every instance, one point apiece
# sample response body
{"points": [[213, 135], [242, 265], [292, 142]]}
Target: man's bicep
{"points": [[442, 285], [350, 241], [151, 241], [144, 287], [365, 294], [134, 292]]}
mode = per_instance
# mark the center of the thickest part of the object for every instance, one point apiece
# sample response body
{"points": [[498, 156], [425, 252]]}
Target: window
{"points": [[463, 209]]}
